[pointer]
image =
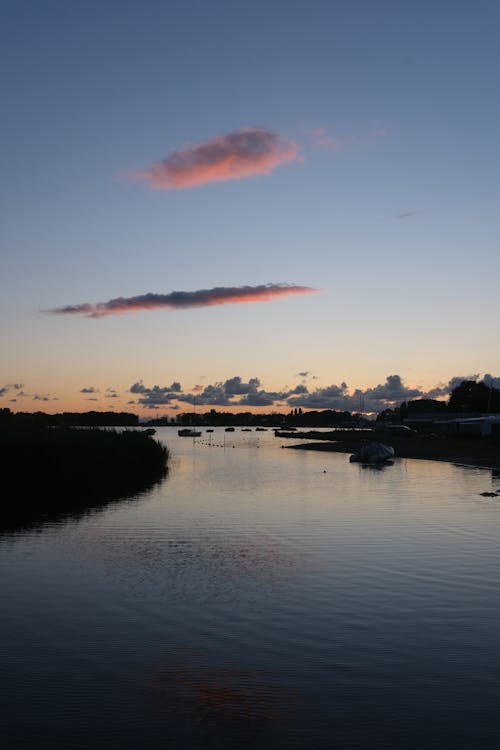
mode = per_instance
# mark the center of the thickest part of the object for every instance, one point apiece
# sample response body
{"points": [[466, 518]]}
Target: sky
{"points": [[260, 206]]}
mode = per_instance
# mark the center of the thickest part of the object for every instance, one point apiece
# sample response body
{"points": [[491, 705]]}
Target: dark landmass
{"points": [[473, 451], [52, 471], [73, 418]]}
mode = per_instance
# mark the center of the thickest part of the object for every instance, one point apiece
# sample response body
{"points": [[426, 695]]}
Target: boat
{"points": [[189, 431], [209, 430], [229, 429], [246, 429], [373, 453], [261, 429], [149, 431]]}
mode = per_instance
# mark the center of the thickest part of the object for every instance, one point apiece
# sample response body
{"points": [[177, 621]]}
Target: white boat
{"points": [[373, 453]]}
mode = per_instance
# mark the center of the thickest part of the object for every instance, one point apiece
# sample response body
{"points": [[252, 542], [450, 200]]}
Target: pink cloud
{"points": [[242, 153], [183, 300]]}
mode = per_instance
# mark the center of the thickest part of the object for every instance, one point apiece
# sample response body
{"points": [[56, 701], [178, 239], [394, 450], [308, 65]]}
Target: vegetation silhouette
{"points": [[52, 471]]}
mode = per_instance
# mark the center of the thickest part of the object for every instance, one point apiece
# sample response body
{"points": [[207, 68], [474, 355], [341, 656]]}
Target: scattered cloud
{"points": [[241, 393], [405, 215], [333, 143], [152, 397], [242, 153], [5, 389], [236, 392], [184, 300]]}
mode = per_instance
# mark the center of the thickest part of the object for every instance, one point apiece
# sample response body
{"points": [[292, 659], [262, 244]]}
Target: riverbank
{"points": [[51, 471], [472, 451]]}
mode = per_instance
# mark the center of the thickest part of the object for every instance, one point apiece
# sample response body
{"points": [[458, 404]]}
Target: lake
{"points": [[260, 597]]}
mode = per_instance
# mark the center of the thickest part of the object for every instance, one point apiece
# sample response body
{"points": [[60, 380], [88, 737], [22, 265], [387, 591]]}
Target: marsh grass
{"points": [[46, 470]]}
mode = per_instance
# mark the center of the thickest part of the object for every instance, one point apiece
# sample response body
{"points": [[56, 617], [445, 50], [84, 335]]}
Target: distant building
{"points": [[484, 426]]}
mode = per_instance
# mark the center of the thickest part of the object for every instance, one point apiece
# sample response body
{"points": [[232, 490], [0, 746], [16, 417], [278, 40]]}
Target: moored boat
{"points": [[373, 453]]}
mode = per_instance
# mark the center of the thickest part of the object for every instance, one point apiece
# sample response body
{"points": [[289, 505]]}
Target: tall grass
{"points": [[43, 469]]}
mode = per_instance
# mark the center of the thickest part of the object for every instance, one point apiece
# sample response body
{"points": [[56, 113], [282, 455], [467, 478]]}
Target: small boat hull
{"points": [[373, 453]]}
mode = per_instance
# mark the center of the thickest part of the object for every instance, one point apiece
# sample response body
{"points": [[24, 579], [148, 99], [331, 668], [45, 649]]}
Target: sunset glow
{"points": [[167, 172], [180, 300], [243, 153]]}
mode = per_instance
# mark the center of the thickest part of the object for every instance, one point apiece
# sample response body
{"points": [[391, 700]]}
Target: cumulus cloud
{"points": [[242, 153], [392, 390], [235, 386], [237, 392], [491, 381], [211, 395], [444, 389], [152, 397], [341, 398], [184, 300], [331, 397]]}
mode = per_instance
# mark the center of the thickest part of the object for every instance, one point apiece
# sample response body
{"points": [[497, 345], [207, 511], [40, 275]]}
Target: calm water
{"points": [[260, 597]]}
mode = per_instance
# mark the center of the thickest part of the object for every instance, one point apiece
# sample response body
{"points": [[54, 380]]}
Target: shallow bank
{"points": [[474, 452]]}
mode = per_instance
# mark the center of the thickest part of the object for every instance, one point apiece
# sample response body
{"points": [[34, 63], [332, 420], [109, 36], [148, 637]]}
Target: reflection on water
{"points": [[207, 695], [260, 597]]}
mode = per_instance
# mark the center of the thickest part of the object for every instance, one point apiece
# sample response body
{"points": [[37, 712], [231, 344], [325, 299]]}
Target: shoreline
{"points": [[478, 453]]}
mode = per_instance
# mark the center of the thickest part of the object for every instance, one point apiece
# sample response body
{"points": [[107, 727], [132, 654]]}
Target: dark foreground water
{"points": [[260, 598]]}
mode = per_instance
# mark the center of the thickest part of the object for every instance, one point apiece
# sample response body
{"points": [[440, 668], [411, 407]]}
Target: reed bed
{"points": [[46, 470]]}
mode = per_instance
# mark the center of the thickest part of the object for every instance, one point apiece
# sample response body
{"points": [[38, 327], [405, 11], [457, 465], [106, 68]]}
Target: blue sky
{"points": [[390, 208]]}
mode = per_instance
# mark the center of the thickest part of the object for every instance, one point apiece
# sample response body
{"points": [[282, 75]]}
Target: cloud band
{"points": [[183, 300]]}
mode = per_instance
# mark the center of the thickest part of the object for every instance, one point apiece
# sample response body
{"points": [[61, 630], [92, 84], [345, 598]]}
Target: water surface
{"points": [[260, 597]]}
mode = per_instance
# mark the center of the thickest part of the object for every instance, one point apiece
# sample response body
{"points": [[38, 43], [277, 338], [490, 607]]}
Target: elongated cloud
{"points": [[242, 153], [406, 215], [181, 300]]}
